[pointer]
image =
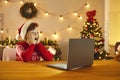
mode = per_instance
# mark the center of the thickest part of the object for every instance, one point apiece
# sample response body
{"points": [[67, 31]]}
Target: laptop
{"points": [[80, 54]]}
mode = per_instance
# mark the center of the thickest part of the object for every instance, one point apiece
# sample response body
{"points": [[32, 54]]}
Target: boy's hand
{"points": [[52, 50]]}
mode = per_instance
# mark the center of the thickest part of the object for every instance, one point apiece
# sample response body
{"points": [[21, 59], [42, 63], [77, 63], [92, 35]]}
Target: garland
{"points": [[28, 10]]}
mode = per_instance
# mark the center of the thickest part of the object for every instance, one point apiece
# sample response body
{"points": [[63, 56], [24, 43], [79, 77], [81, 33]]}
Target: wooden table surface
{"points": [[100, 70]]}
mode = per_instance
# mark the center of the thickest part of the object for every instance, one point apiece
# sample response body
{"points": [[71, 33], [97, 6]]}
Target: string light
{"points": [[61, 17], [80, 17], [46, 13], [35, 4], [6, 1], [75, 13], [69, 28], [1, 31], [40, 33], [21, 2], [87, 5], [55, 36], [100, 58], [106, 55], [55, 33]]}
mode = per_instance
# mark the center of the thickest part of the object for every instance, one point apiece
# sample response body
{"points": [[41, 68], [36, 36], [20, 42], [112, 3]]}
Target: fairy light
{"points": [[75, 13], [87, 5], [6, 1], [55, 35], [69, 28], [106, 55], [1, 31], [46, 13], [21, 2], [100, 57], [40, 33], [61, 17], [80, 17], [35, 4]]}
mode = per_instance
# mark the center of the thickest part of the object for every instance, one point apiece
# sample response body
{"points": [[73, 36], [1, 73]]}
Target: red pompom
{"points": [[90, 15]]}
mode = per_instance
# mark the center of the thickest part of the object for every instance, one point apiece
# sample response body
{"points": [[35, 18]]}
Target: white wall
{"points": [[50, 24], [114, 21]]}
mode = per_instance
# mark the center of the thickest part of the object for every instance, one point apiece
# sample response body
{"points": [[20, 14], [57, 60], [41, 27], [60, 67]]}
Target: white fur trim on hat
{"points": [[24, 29], [18, 37]]}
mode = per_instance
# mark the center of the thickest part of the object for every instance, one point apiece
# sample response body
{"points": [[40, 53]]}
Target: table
{"points": [[100, 70], [9, 54]]}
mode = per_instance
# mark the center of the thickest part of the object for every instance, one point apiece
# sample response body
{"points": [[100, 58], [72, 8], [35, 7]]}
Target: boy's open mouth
{"points": [[36, 38]]}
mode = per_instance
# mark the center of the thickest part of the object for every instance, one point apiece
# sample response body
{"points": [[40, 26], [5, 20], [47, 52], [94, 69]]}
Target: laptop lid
{"points": [[81, 53]]}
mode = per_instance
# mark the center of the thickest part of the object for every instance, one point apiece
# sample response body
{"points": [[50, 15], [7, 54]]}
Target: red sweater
{"points": [[25, 52]]}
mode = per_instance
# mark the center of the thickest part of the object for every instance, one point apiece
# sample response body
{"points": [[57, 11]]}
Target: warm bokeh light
{"points": [[35, 4], [61, 17], [87, 5], [21, 2], [6, 1], [75, 13], [80, 17], [46, 13], [100, 58], [1, 31], [55, 36], [69, 28], [40, 33]]}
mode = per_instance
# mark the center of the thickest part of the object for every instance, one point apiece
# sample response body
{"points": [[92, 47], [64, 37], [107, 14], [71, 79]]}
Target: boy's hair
{"points": [[32, 26]]}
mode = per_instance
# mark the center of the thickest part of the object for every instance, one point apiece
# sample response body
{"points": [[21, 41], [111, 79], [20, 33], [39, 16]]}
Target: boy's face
{"points": [[33, 36]]}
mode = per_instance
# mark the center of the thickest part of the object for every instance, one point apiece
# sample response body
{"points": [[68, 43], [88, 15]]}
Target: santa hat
{"points": [[22, 30]]}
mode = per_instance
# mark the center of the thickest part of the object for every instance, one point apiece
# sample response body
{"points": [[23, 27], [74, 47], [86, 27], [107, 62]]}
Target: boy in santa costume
{"points": [[29, 48]]}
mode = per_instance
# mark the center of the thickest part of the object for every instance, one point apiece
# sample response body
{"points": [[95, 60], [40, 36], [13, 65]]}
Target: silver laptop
{"points": [[80, 54]]}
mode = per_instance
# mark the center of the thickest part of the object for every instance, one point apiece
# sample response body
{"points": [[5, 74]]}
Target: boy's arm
{"points": [[44, 53]]}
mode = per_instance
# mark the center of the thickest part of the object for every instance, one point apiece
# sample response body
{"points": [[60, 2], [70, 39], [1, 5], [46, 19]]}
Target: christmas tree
{"points": [[91, 29]]}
